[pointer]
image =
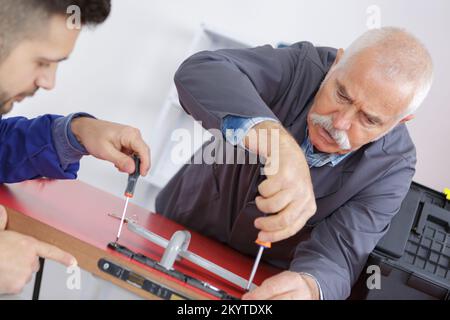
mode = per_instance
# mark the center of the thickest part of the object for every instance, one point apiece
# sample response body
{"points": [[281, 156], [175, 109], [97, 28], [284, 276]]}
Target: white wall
{"points": [[123, 70]]}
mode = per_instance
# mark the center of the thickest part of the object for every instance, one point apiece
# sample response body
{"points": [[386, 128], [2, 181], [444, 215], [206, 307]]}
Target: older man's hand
{"points": [[287, 285], [287, 194], [112, 142]]}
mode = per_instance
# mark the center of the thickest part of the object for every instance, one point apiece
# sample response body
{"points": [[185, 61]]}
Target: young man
{"points": [[34, 38]]}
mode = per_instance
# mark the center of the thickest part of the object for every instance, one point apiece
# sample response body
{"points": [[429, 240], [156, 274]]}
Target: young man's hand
{"points": [[112, 142], [19, 257], [287, 194]]}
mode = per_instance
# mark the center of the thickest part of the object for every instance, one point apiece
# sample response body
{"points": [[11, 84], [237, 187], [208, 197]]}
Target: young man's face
{"points": [[33, 62], [355, 106]]}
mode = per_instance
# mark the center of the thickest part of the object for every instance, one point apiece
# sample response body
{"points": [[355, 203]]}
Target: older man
{"points": [[344, 156]]}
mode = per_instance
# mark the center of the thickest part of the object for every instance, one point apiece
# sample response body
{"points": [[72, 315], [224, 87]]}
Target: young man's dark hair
{"points": [[92, 11], [20, 19]]}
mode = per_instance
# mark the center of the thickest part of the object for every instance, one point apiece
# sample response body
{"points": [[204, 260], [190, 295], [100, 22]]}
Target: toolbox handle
{"points": [[418, 283], [431, 212]]}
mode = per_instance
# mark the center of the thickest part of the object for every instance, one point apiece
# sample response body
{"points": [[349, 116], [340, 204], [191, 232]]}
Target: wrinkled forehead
{"points": [[369, 85]]}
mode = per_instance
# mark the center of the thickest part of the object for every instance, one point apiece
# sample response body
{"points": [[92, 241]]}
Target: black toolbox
{"points": [[414, 255]]}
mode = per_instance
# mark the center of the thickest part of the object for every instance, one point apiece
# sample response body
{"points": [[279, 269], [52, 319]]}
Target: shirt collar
{"points": [[319, 159]]}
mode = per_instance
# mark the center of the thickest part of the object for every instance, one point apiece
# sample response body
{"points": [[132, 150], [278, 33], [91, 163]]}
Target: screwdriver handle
{"points": [[132, 178], [267, 245], [264, 244]]}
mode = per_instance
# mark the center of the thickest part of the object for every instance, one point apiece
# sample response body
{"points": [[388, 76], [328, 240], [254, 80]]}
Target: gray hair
{"points": [[401, 57]]}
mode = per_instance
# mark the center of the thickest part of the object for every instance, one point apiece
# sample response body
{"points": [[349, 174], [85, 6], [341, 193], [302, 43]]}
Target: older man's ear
{"points": [[407, 118], [339, 55]]}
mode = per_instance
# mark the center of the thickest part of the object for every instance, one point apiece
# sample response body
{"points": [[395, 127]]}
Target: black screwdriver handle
{"points": [[132, 178]]}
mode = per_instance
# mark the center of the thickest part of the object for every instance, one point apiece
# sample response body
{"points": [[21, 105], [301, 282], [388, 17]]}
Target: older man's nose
{"points": [[343, 119]]}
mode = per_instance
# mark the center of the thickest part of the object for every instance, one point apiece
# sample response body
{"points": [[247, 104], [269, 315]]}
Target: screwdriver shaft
{"points": [[122, 219], [255, 267]]}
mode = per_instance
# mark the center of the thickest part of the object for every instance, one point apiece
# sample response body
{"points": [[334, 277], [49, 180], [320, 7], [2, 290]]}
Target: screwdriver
{"points": [[129, 191], [262, 245]]}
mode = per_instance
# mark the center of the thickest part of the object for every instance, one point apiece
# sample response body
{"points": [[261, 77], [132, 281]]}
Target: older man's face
{"points": [[355, 105]]}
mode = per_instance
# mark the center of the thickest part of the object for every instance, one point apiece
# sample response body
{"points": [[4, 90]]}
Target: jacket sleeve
{"points": [[242, 83], [27, 150], [339, 245]]}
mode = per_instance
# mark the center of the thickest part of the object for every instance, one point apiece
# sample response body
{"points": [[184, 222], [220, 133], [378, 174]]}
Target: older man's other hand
{"points": [[287, 285]]}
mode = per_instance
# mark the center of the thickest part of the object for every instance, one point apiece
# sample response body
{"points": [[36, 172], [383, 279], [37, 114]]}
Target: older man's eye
{"points": [[342, 97], [368, 121]]}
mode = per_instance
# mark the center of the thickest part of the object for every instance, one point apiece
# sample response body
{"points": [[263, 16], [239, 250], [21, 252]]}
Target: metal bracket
{"points": [[177, 248]]}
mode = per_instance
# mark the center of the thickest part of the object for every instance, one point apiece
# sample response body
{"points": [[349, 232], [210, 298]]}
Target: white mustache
{"points": [[339, 136]]}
